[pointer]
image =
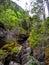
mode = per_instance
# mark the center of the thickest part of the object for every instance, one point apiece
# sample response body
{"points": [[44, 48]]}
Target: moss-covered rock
{"points": [[9, 48]]}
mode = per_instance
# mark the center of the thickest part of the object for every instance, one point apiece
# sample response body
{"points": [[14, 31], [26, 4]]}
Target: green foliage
{"points": [[15, 50], [36, 31], [9, 18], [31, 63], [29, 57], [3, 54], [39, 32], [13, 16], [10, 48]]}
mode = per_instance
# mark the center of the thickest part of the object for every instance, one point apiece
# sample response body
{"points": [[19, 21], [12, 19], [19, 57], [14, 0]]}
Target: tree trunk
{"points": [[47, 2]]}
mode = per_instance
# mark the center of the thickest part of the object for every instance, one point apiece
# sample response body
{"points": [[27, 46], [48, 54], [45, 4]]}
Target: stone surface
{"points": [[1, 63], [13, 63]]}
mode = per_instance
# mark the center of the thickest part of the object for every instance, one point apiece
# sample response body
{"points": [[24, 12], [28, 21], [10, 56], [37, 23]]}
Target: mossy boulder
{"points": [[9, 48]]}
